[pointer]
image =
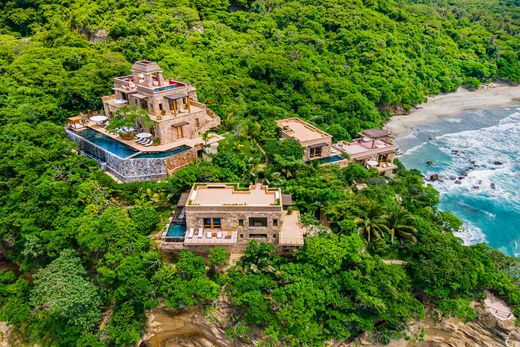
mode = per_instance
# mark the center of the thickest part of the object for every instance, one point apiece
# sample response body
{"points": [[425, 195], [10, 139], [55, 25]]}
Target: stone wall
{"points": [[126, 170], [182, 159], [230, 221]]}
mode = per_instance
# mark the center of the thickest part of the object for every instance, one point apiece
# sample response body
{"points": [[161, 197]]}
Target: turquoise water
{"points": [[176, 230], [332, 159], [108, 143], [171, 152], [477, 157]]}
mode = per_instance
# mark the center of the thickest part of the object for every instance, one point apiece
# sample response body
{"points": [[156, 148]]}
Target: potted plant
{"points": [[156, 141]]}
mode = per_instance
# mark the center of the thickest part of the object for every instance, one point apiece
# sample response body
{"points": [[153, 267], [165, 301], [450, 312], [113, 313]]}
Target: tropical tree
{"points": [[130, 116], [398, 221], [372, 223]]}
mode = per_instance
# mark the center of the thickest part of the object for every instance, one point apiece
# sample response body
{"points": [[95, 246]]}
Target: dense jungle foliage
{"points": [[87, 268]]}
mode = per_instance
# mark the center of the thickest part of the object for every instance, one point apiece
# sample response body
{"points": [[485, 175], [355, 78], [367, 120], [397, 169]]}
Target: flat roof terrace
{"points": [[361, 146], [225, 194], [301, 130]]}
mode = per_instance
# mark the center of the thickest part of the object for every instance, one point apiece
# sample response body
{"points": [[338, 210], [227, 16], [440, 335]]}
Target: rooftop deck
{"points": [[365, 146], [300, 130], [222, 194]]}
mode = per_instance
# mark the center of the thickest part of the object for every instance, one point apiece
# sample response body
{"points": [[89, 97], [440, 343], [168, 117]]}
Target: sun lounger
{"points": [[219, 234], [209, 235], [190, 234], [228, 234], [201, 232]]}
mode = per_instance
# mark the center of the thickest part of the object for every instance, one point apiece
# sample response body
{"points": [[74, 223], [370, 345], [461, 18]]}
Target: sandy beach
{"points": [[448, 105]]}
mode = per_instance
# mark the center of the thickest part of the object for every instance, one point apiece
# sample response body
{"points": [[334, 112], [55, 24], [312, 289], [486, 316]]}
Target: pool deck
{"points": [[198, 141]]}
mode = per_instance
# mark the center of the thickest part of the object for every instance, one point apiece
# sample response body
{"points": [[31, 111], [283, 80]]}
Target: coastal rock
{"points": [[453, 178], [497, 162], [458, 182], [493, 185], [475, 188], [429, 162], [484, 330], [434, 177]]}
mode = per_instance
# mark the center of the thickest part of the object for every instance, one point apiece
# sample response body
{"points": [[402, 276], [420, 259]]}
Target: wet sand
{"points": [[450, 104]]}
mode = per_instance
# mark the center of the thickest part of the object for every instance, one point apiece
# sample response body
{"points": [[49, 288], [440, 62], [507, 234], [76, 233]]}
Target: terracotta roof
{"points": [[183, 199], [287, 200], [374, 133], [146, 66], [176, 96]]}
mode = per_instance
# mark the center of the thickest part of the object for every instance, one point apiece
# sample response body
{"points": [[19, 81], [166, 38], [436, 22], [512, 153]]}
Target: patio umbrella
{"points": [[143, 135], [127, 129], [98, 119]]}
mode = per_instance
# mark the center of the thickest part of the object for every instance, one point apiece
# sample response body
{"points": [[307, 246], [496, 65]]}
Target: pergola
{"points": [[77, 122]]}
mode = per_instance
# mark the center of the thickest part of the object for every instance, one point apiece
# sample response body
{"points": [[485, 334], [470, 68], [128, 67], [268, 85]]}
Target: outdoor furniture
{"points": [[201, 232], [143, 135], [219, 234], [190, 234], [209, 235], [99, 119]]}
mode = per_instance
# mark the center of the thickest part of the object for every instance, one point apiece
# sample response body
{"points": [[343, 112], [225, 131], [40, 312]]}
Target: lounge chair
{"points": [[209, 235], [228, 234], [219, 234], [148, 144], [190, 234], [139, 141], [201, 232]]}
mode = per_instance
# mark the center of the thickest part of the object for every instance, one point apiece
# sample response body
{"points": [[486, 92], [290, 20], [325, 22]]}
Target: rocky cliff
{"points": [[194, 329]]}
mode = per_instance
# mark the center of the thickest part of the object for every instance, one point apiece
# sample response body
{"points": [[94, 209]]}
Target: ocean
{"points": [[477, 158]]}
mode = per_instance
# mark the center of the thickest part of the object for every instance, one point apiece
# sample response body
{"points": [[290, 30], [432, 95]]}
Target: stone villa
{"points": [[223, 214], [135, 153], [316, 143], [373, 150]]}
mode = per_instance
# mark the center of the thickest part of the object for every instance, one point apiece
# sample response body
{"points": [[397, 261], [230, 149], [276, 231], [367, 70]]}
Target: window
{"points": [[160, 107], [314, 152], [212, 223], [241, 236], [258, 221], [257, 236], [241, 222], [197, 122], [275, 222]]}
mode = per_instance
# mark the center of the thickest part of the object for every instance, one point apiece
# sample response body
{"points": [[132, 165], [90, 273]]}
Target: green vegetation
{"points": [[343, 65]]}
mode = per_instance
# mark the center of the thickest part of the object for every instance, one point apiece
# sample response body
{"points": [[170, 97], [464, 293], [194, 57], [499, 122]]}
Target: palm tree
{"points": [[398, 221], [372, 223]]}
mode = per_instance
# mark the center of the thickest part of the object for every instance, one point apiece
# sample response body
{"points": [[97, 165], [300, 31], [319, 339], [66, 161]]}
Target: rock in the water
{"points": [[434, 177], [429, 162], [475, 188], [493, 185], [453, 178], [497, 162], [458, 182]]}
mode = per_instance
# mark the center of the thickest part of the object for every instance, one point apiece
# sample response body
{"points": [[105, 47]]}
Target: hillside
{"points": [[86, 270]]}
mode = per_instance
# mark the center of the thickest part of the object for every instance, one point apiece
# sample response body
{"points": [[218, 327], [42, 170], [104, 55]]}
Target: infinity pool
{"points": [[332, 159], [176, 230], [169, 153], [107, 143]]}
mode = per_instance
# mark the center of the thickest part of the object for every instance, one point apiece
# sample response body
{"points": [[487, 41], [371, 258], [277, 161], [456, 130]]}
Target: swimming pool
{"points": [[107, 143], [176, 230], [169, 153], [332, 159]]}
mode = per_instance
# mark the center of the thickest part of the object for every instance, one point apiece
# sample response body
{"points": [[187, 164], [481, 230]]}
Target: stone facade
{"points": [[171, 104], [230, 217], [125, 169], [316, 143]]}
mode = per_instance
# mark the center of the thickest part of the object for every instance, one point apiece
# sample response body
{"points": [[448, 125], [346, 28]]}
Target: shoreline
{"points": [[451, 104]]}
